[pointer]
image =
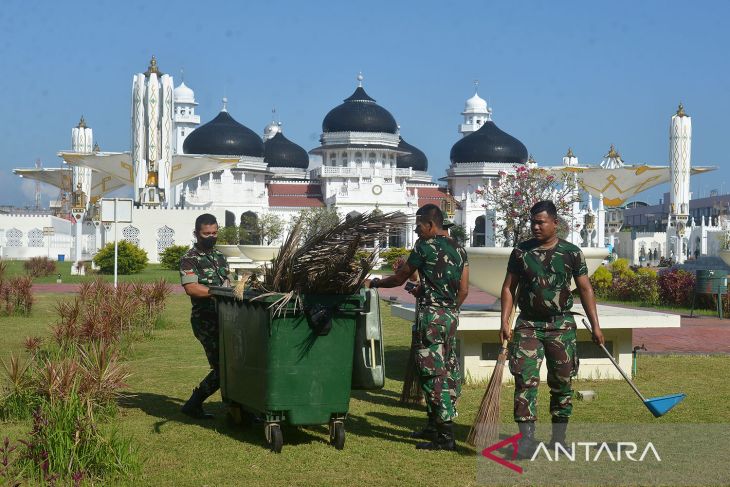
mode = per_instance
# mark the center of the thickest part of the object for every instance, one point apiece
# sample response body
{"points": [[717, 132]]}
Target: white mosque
{"points": [[177, 169]]}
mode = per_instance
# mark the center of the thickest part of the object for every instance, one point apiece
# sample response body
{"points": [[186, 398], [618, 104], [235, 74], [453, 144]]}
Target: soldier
{"points": [[543, 267], [201, 267], [444, 285]]}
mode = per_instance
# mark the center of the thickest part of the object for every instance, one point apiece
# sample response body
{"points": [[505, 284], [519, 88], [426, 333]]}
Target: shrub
{"points": [[130, 260], [676, 287], [39, 266], [16, 295], [646, 286], [170, 257], [621, 267], [392, 254], [602, 280]]}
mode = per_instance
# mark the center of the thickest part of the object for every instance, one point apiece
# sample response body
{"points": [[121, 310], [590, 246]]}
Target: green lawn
{"points": [[150, 273], [178, 451]]}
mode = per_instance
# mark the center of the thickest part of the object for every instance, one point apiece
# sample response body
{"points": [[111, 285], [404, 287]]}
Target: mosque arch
{"points": [[479, 237], [131, 234], [14, 238], [250, 233], [35, 238], [165, 238], [396, 233]]}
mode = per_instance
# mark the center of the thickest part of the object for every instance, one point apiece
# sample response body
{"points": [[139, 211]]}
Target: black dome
{"points": [[359, 113], [489, 144], [224, 136], [282, 152], [416, 159]]}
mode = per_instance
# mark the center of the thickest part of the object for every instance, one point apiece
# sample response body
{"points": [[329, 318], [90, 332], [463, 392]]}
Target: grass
{"points": [[682, 310], [150, 273], [179, 451]]}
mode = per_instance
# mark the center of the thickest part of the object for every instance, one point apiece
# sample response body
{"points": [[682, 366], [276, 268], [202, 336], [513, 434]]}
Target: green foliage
{"points": [[271, 227], [228, 235], [317, 220], [249, 232], [170, 257], [458, 233], [131, 259], [621, 267], [68, 443], [602, 280], [394, 253]]}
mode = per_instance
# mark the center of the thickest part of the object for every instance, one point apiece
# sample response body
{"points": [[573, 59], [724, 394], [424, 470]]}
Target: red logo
{"points": [[512, 440]]}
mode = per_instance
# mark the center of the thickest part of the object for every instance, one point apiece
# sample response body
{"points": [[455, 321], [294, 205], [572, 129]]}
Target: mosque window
{"points": [[131, 234], [165, 238], [14, 238], [35, 238]]}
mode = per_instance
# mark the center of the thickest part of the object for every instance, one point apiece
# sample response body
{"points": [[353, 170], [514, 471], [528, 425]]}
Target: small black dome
{"points": [[224, 136], [416, 159], [359, 113], [282, 152], [489, 144]]}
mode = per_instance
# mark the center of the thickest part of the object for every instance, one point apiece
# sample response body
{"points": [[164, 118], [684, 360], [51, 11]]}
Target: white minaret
{"points": [[680, 151], [152, 144], [570, 160], [184, 119], [475, 113], [82, 140]]}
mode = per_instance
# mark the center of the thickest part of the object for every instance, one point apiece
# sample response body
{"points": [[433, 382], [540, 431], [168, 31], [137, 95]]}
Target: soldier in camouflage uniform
{"points": [[440, 263], [540, 270], [201, 267]]}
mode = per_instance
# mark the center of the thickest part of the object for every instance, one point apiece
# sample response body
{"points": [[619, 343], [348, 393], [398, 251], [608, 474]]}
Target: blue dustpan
{"points": [[660, 406]]}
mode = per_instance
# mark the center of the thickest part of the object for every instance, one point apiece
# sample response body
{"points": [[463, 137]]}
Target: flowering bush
{"points": [[676, 287], [517, 192], [394, 253]]}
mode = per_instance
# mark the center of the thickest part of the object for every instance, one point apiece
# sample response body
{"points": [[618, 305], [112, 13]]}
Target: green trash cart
{"points": [[300, 365]]}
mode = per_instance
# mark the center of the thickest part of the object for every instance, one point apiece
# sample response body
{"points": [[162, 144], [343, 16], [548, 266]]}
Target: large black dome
{"points": [[282, 152], [416, 159], [489, 144], [225, 137], [359, 113]]}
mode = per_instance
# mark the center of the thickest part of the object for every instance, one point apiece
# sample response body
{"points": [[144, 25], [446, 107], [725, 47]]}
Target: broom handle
{"points": [[608, 354], [512, 317]]}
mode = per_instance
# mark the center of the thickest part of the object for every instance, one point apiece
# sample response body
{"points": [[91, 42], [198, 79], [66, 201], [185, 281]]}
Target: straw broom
{"points": [[485, 429], [411, 394]]}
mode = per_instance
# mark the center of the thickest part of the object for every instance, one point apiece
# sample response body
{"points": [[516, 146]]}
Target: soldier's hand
{"points": [[598, 338], [505, 333]]}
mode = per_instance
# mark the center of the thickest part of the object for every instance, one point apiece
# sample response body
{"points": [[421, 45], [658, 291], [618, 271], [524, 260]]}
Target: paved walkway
{"points": [[697, 335]]}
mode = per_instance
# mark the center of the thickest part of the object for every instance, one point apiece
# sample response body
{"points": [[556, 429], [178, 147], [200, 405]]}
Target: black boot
{"points": [[430, 432], [444, 438], [527, 445], [194, 406], [560, 427]]}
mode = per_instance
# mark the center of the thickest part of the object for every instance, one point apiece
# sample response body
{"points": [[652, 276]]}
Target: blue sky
{"points": [[557, 74]]}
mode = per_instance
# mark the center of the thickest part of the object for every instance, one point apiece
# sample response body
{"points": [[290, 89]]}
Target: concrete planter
{"points": [[229, 250], [487, 265], [259, 253]]}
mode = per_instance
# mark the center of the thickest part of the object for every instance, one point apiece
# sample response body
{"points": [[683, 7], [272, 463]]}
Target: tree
{"points": [[458, 233], [170, 257], [515, 193], [271, 227], [228, 235], [315, 220]]}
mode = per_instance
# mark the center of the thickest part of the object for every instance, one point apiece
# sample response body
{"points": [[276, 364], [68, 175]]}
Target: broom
{"points": [[411, 394], [485, 429]]}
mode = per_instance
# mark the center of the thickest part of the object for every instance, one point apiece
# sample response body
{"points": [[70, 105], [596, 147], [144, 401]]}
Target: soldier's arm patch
{"points": [[188, 272]]}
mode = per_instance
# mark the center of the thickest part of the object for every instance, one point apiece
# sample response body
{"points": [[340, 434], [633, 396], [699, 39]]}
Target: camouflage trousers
{"points": [[531, 342], [205, 330], [438, 366]]}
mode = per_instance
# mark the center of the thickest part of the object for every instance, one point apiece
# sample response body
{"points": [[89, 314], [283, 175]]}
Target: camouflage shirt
{"points": [[206, 268], [440, 262], [545, 276]]}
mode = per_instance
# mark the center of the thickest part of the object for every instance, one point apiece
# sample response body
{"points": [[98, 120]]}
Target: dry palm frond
{"points": [[17, 374], [326, 262]]}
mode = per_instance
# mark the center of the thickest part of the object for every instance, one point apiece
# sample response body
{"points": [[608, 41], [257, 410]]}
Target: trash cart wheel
{"points": [[337, 434], [274, 437]]}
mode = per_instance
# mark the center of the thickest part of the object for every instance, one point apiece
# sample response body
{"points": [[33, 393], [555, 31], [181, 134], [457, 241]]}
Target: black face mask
{"points": [[206, 243]]}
